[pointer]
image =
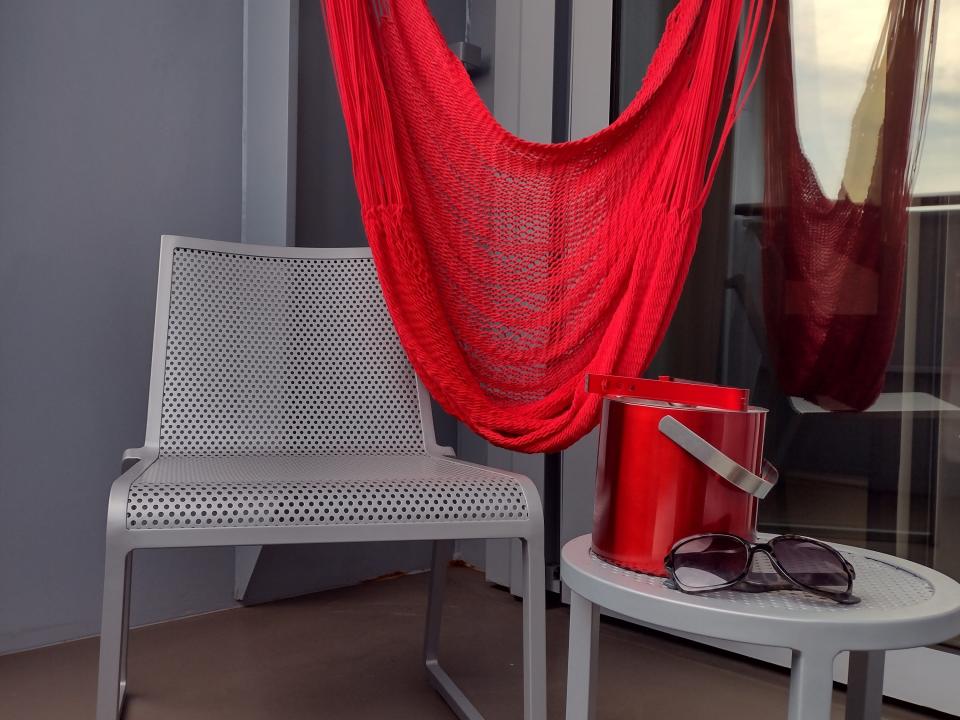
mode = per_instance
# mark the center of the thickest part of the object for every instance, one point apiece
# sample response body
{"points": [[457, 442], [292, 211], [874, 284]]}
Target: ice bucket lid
{"points": [[666, 389]]}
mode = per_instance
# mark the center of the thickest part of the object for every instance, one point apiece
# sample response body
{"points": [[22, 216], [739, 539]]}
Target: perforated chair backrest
{"points": [[278, 351]]}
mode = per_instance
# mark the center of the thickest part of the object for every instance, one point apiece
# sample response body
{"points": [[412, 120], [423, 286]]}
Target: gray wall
{"points": [[328, 210], [119, 121]]}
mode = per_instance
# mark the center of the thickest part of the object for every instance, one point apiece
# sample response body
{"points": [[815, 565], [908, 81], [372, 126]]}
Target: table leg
{"points": [[865, 685], [811, 686], [582, 658]]}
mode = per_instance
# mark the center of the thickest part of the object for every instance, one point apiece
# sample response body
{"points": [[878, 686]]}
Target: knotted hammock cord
{"points": [[513, 268]]}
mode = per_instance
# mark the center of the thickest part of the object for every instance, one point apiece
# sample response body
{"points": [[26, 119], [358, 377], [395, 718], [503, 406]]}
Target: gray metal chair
{"points": [[283, 410]]}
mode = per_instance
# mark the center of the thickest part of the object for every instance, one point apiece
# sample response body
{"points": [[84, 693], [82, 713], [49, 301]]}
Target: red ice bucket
{"points": [[676, 459]]}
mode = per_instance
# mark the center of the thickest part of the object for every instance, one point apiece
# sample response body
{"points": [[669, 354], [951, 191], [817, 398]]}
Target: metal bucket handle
{"points": [[720, 463]]}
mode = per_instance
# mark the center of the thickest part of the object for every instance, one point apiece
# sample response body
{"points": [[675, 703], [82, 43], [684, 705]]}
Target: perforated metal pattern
{"points": [[283, 356], [334, 490], [879, 585]]}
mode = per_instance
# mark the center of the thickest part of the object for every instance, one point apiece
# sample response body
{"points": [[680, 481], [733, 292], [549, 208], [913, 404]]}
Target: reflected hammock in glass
{"points": [[513, 268], [833, 268]]}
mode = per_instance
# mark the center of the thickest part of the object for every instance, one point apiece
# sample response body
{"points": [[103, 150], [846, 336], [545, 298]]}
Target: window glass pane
{"points": [[840, 296]]}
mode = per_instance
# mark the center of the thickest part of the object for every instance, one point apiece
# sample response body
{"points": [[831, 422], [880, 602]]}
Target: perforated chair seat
{"points": [[319, 490]]}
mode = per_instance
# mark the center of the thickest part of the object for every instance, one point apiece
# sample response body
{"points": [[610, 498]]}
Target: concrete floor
{"points": [[354, 653]]}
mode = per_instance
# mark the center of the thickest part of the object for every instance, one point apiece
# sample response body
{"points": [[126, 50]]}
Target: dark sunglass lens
{"points": [[707, 562], [812, 565]]}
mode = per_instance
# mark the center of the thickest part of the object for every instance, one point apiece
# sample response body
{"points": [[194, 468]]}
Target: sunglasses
{"points": [[719, 561]]}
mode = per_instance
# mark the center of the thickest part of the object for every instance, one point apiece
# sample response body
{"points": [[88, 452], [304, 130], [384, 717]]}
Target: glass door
{"points": [[867, 440], [829, 292]]}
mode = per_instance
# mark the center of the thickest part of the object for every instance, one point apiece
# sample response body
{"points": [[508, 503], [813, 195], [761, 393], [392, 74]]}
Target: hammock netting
{"points": [[833, 268], [513, 268]]}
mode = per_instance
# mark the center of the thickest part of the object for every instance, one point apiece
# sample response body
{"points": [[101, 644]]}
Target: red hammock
{"points": [[513, 268], [833, 269]]}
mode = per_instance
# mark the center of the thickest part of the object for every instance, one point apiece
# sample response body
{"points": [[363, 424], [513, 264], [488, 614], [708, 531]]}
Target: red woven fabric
{"points": [[513, 268], [833, 268]]}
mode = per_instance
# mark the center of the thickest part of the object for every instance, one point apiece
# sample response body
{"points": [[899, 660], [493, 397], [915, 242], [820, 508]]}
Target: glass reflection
{"points": [[884, 285]]}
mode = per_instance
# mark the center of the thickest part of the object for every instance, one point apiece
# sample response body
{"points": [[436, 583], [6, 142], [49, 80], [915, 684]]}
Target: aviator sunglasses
{"points": [[719, 561]]}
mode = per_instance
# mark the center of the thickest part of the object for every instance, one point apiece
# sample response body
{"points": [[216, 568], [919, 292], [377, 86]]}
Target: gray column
{"points": [[270, 37]]}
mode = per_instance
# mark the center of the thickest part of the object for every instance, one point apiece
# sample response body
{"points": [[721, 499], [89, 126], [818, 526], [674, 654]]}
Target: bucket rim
{"points": [[682, 407]]}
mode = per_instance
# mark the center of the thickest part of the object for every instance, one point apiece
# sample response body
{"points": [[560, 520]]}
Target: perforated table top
{"points": [[903, 604], [319, 490], [879, 585]]}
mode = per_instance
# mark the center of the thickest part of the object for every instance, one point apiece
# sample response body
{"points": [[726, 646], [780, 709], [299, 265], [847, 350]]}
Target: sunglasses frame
{"points": [[769, 549]]}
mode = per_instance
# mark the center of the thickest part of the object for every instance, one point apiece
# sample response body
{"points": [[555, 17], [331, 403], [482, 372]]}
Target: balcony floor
{"points": [[354, 653]]}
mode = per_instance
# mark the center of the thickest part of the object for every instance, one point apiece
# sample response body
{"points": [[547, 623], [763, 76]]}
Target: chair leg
{"points": [[113, 627], [125, 628], [442, 555], [534, 632], [441, 682]]}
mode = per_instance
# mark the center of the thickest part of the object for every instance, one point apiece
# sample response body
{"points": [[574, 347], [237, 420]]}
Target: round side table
{"points": [[903, 605]]}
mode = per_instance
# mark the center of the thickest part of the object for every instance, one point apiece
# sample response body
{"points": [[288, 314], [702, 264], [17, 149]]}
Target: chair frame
{"points": [[121, 542]]}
